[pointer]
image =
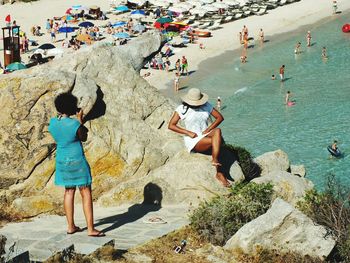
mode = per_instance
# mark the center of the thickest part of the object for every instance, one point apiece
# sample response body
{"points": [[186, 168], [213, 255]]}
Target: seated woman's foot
{"points": [[223, 180], [96, 233]]}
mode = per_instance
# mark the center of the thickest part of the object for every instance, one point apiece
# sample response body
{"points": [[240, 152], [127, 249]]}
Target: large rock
{"points": [[290, 187], [273, 161], [129, 146], [298, 170], [285, 229]]}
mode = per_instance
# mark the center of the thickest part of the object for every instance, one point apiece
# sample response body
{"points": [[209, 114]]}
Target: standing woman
{"points": [[199, 137], [72, 169]]}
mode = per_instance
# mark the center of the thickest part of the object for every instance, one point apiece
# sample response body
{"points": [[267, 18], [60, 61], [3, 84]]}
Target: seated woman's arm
{"points": [[173, 126], [218, 119]]}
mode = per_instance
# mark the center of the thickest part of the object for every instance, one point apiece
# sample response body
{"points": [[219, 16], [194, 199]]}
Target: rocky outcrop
{"points": [[283, 228], [273, 161], [298, 170], [287, 186], [129, 145]]}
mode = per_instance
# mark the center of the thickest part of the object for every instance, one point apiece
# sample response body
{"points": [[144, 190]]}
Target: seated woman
{"points": [[199, 137]]}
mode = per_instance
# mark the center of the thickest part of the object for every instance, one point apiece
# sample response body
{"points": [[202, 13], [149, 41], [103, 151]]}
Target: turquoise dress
{"points": [[72, 169]]}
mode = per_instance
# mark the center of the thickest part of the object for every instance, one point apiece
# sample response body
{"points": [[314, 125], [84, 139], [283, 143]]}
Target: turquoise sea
{"points": [[253, 104]]}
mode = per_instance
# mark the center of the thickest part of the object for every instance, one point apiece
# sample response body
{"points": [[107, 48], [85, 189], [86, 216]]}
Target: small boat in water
{"points": [[335, 153]]}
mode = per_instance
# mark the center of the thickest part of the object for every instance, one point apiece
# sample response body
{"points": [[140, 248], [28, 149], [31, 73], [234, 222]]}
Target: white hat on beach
{"points": [[195, 97]]}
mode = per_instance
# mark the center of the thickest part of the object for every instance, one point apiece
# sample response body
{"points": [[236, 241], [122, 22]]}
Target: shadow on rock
{"points": [[153, 196], [99, 108]]}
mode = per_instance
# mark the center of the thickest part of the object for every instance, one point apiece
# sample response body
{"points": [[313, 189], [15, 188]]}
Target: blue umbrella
{"points": [[86, 24], [122, 8], [121, 35], [66, 30], [16, 66], [76, 6], [119, 24], [138, 12]]}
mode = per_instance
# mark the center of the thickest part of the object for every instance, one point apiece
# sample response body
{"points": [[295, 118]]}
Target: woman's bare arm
{"points": [[173, 126], [218, 119]]}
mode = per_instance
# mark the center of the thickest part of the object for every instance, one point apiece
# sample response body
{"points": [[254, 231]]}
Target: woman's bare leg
{"points": [[68, 204], [88, 209], [213, 143]]}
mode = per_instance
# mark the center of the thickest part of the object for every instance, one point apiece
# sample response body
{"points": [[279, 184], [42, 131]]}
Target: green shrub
{"points": [[331, 209], [219, 219], [250, 169]]}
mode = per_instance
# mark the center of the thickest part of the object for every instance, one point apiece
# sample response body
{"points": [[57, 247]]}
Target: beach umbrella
{"points": [[164, 20], [121, 35], [66, 30], [16, 66], [119, 24], [76, 6], [46, 46], [75, 12], [86, 24], [84, 38], [121, 8], [137, 14], [207, 1], [139, 28], [68, 11]]}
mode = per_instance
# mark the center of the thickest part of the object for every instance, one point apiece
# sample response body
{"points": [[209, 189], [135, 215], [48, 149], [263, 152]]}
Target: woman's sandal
{"points": [[76, 230], [99, 234]]}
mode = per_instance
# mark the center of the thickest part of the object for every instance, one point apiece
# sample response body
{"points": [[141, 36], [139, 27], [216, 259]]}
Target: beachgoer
{"points": [[287, 100], [201, 46], [297, 48], [245, 41], [129, 25], [282, 68], [240, 38], [324, 53], [184, 65], [261, 36], [178, 66], [334, 145], [48, 26], [335, 6], [72, 169], [273, 77], [177, 82], [53, 35], [308, 38], [195, 111], [160, 62], [218, 104], [157, 12], [245, 31]]}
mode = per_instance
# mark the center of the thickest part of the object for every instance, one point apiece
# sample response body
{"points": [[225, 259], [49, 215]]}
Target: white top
{"points": [[196, 120]]}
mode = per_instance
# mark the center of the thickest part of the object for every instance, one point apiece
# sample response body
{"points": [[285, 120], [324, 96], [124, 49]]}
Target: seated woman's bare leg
{"points": [[216, 141], [221, 177]]}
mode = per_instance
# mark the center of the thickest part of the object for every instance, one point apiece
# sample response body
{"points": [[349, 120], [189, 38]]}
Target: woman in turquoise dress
{"points": [[72, 169]]}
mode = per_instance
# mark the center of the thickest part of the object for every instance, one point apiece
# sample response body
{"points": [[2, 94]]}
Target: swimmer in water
{"points": [[218, 104], [287, 99], [334, 145], [324, 53], [273, 77]]}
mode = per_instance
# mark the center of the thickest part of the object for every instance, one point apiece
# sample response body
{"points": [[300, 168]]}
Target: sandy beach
{"points": [[277, 21], [280, 20]]}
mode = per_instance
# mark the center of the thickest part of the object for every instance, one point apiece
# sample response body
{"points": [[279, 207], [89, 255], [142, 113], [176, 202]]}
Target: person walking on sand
{"points": [[308, 38], [178, 66], [200, 137], [245, 31], [240, 36], [261, 36], [53, 34], [177, 82], [72, 169], [184, 65], [335, 6], [282, 68]]}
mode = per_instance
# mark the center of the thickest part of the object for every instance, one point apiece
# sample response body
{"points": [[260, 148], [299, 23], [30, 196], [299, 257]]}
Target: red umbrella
{"points": [[68, 11]]}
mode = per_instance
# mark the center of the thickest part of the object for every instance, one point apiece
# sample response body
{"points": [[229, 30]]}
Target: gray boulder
{"points": [[287, 186], [273, 161], [285, 229], [298, 170]]}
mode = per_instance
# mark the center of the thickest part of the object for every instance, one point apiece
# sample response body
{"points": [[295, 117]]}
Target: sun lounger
{"points": [[238, 15], [215, 26], [205, 25]]}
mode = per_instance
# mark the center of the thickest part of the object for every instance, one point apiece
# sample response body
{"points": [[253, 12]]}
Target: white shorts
{"points": [[281, 76]]}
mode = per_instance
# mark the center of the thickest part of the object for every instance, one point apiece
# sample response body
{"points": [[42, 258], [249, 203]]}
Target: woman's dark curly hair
{"points": [[66, 103]]}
